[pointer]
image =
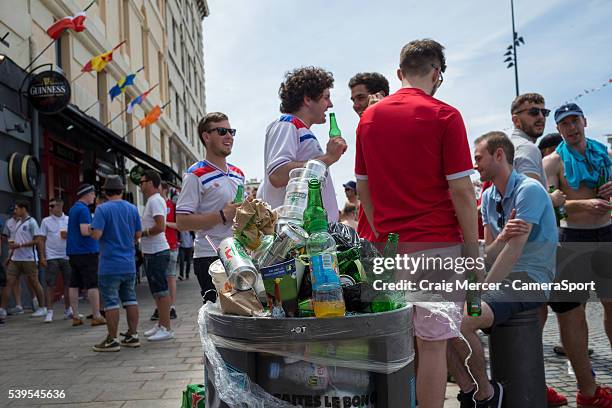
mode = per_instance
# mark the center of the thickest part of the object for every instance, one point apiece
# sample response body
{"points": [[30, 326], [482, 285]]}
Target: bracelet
{"points": [[223, 217]]}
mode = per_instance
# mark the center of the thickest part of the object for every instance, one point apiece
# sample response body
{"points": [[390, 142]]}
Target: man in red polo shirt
{"points": [[413, 167]]}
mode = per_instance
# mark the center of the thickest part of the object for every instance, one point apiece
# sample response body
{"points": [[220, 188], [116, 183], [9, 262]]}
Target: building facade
{"points": [[94, 137]]}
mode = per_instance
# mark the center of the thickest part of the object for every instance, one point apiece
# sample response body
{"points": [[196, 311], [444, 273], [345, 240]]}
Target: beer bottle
{"points": [[239, 194], [347, 263], [472, 298], [314, 205], [601, 180], [334, 130], [560, 212], [386, 301]]}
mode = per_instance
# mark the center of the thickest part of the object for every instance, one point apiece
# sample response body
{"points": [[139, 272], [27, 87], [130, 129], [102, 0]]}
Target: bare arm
{"points": [[280, 176], [158, 228], [195, 222], [85, 230], [508, 257], [366, 202], [96, 234], [171, 225]]}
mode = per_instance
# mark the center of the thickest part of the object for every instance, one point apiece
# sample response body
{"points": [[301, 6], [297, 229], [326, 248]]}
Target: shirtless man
{"points": [[587, 226]]}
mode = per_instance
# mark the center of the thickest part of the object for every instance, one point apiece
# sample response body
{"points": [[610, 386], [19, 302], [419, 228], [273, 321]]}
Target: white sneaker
{"points": [[162, 334], [68, 313], [40, 312], [35, 303], [152, 331], [3, 314], [17, 310], [49, 316]]}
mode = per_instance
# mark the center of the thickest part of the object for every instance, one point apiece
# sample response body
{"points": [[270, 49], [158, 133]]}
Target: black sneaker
{"points": [[466, 399], [130, 340], [109, 344], [172, 313], [155, 315], [496, 400]]}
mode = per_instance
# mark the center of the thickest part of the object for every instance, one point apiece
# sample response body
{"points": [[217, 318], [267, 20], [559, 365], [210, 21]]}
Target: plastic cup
{"points": [[304, 173], [317, 167], [63, 234]]}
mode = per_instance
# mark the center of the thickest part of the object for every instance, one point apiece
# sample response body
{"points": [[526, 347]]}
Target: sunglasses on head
{"points": [[223, 131], [501, 220], [535, 111]]}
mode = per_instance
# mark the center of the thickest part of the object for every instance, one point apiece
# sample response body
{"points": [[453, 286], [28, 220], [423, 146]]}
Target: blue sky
{"points": [[249, 45]]}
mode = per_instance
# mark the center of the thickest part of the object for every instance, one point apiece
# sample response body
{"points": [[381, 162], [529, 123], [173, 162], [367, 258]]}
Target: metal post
{"points": [[514, 39]]}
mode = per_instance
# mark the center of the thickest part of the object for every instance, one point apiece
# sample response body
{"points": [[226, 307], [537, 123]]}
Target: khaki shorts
{"points": [[18, 268]]}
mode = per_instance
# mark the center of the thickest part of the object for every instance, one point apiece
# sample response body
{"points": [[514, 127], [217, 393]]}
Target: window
{"points": [[178, 108], [102, 96], [145, 54], [58, 52], [174, 36]]}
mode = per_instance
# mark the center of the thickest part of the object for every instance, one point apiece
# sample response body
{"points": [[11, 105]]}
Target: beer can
{"points": [[238, 265], [290, 236]]}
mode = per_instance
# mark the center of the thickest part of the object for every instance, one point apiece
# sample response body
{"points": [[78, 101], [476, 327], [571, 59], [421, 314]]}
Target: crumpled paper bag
{"points": [[253, 220]]}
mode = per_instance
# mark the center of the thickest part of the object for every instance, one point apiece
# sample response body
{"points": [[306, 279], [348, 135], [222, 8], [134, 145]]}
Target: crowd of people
{"points": [[413, 167]]}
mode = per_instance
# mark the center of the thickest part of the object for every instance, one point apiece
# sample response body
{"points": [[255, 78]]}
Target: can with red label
{"points": [[239, 267]]}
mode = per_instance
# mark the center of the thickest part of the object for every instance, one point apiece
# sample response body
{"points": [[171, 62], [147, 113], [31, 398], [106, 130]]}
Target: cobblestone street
{"points": [[56, 356]]}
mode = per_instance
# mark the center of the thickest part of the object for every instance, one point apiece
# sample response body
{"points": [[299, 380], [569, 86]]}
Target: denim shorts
{"points": [[55, 267], [172, 264], [156, 267], [116, 289]]}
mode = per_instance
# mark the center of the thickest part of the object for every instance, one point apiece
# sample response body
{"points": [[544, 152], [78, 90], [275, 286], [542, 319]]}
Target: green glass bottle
{"points": [[314, 206], [386, 301], [601, 180], [239, 194], [347, 264], [334, 130], [472, 298], [560, 212]]}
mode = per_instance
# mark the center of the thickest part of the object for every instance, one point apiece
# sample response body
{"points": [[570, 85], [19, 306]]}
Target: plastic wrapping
{"points": [[350, 349]]}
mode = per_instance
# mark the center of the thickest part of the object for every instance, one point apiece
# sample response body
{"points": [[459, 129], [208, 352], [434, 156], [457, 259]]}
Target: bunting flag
{"points": [[151, 117], [99, 62], [590, 91], [75, 23], [118, 89], [138, 100]]}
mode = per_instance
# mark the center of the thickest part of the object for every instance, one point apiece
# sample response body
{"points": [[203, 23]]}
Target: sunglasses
{"points": [[52, 205], [223, 131], [440, 77], [535, 112], [501, 220]]}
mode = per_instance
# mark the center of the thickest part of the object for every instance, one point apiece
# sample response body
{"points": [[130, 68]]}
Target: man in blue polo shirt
{"points": [[82, 251], [521, 241]]}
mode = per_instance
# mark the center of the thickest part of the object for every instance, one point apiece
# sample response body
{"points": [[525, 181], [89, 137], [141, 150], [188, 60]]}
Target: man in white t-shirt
{"points": [[305, 97], [54, 231], [205, 202], [24, 258], [156, 252]]}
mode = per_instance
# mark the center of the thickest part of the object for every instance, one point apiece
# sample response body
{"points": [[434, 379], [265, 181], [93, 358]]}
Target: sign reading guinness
{"points": [[49, 92]]}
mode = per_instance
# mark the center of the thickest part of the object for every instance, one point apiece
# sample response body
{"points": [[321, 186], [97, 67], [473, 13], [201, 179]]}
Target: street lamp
{"points": [[511, 57]]}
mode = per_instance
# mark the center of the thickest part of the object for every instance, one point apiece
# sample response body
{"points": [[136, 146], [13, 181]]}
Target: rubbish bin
{"points": [[355, 361]]}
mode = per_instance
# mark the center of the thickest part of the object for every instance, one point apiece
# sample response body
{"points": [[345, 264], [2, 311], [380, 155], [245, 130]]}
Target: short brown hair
{"points": [[418, 56], [349, 208], [207, 120], [525, 98], [373, 81], [496, 140], [301, 82]]}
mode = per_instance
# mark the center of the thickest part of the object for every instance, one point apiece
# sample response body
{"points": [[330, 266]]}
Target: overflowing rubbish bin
{"points": [[355, 361]]}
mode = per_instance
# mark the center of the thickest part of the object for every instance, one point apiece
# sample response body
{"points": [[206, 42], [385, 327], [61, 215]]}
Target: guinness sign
{"points": [[49, 92]]}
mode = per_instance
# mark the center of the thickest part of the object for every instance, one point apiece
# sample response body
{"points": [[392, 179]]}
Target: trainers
{"points": [[3, 314], [554, 398], [98, 321], [17, 310], [601, 399], [130, 340], [49, 316], [151, 331], [68, 313], [496, 399], [162, 334], [466, 399], [77, 321], [108, 344], [40, 312], [35, 304], [173, 313], [155, 315]]}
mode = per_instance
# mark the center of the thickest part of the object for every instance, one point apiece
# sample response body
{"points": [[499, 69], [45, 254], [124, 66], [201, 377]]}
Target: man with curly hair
{"points": [[305, 97]]}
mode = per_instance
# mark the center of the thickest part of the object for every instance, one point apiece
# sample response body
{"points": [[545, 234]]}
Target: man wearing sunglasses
{"points": [[205, 203], [305, 97], [521, 241], [581, 168]]}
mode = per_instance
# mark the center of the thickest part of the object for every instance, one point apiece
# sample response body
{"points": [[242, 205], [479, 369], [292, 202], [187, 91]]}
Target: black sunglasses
{"points": [[52, 205], [223, 131], [501, 220], [440, 77], [535, 112]]}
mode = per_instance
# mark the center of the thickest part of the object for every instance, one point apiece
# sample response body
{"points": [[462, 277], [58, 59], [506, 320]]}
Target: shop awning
{"points": [[73, 115]]}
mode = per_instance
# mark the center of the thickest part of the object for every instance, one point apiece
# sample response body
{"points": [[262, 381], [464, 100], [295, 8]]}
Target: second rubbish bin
{"points": [[355, 361]]}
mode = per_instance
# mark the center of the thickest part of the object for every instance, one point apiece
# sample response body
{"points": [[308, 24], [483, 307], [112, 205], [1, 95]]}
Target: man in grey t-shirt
{"points": [[529, 119]]}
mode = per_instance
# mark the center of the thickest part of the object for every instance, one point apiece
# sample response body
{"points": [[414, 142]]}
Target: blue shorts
{"points": [[116, 289], [156, 268], [172, 264]]}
